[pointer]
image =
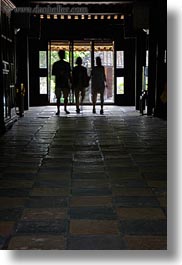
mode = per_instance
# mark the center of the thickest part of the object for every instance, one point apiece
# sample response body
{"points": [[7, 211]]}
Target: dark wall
{"points": [[73, 29], [130, 71], [7, 67], [157, 65], [33, 72]]}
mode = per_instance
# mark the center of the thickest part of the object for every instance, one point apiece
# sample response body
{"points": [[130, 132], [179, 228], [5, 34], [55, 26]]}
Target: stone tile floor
{"points": [[84, 181]]}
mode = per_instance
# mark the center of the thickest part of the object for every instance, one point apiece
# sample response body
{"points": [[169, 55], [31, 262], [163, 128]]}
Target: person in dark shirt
{"points": [[62, 71], [98, 84], [80, 81]]}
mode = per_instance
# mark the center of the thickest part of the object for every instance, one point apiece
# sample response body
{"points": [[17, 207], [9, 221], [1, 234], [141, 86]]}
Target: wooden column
{"points": [[1, 80], [157, 64], [7, 66], [22, 54], [152, 83], [140, 56], [160, 105]]}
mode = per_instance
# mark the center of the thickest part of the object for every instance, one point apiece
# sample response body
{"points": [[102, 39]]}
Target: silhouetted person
{"points": [[98, 84], [61, 70], [80, 81]]}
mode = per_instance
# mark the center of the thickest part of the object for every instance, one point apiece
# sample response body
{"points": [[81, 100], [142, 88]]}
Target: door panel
{"points": [[43, 74], [38, 73], [120, 92], [125, 72]]}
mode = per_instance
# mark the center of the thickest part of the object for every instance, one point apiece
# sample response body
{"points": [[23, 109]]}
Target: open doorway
{"points": [[88, 51], [106, 52]]}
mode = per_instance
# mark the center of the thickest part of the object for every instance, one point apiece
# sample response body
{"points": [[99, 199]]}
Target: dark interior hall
{"points": [[83, 181]]}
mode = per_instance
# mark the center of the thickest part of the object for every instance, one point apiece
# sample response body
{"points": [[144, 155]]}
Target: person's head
{"points": [[98, 61], [61, 54], [79, 61]]}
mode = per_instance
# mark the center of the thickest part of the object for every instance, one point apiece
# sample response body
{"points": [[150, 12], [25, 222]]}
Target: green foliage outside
{"points": [[120, 85], [53, 57]]}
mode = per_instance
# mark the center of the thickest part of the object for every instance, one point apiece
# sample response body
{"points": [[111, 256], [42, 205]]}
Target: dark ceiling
{"points": [[29, 2], [25, 3], [108, 6]]}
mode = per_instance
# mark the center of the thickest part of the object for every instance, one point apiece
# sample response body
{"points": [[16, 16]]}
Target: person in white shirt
{"points": [[80, 81]]}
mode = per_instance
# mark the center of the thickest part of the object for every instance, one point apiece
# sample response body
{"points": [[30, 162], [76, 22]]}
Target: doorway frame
{"points": [[71, 43]]}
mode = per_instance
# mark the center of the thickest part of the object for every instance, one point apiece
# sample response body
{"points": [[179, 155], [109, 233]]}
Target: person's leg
{"points": [[65, 94], [58, 106], [102, 102], [94, 100], [82, 96], [77, 93], [58, 97]]}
